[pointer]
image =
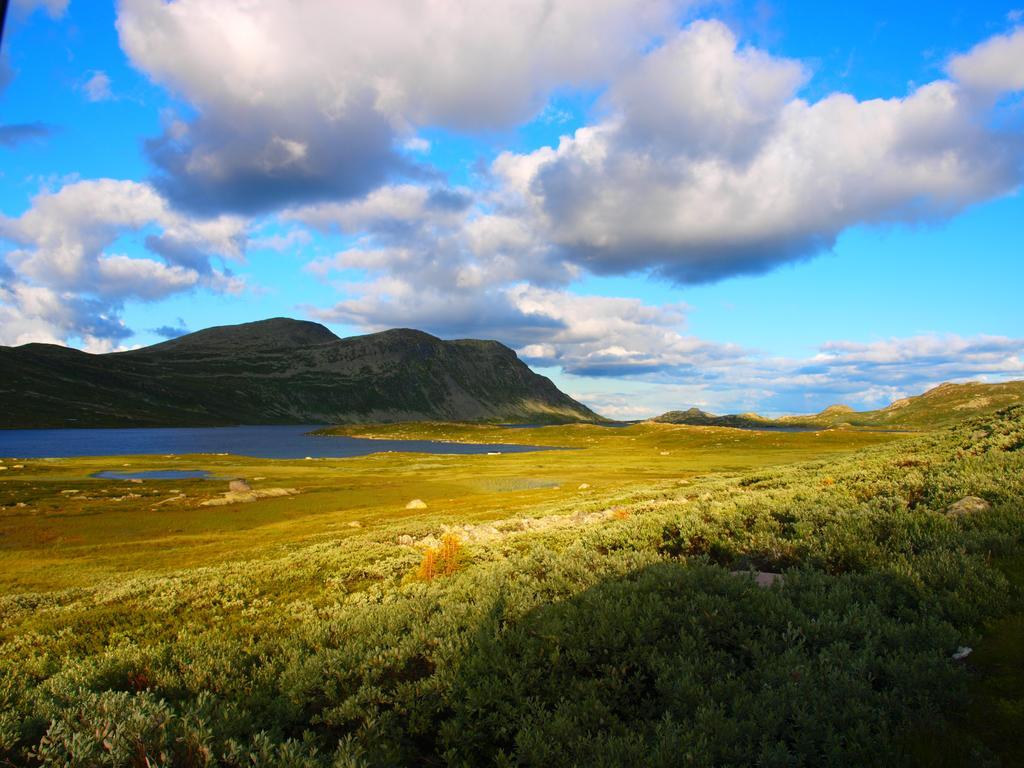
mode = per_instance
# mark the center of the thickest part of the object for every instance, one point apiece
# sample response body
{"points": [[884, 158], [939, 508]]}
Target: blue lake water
{"points": [[273, 442]]}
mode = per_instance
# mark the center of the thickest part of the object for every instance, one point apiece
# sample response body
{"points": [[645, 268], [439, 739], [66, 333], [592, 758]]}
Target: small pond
{"points": [[154, 474]]}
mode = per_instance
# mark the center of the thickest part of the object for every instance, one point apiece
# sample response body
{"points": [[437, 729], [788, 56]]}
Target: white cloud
{"points": [[708, 166], [307, 99], [459, 270], [97, 87], [290, 240], [59, 280], [387, 208], [121, 276], [864, 375], [698, 94], [994, 65]]}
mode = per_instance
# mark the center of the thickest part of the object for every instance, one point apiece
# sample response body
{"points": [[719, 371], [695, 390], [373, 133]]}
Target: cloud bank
{"points": [[61, 279], [302, 100]]}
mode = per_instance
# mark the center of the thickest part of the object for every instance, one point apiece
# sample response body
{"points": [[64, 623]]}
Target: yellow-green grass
{"points": [[53, 539], [278, 622]]}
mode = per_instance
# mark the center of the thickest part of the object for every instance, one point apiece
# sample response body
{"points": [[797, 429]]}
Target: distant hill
{"points": [[698, 418], [278, 371], [943, 405]]}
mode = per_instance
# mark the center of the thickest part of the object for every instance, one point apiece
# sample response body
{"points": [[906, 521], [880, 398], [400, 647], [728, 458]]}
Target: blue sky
{"points": [[737, 205]]}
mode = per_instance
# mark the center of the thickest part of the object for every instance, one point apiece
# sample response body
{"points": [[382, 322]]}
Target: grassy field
{"points": [[75, 530], [585, 606]]}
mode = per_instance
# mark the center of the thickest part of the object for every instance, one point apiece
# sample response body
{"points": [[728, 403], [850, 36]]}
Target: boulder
{"points": [[239, 486], [245, 497], [416, 504], [584, 486], [968, 505]]}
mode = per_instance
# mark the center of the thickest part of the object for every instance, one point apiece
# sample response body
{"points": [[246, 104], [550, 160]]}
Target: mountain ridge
{"points": [[278, 371]]}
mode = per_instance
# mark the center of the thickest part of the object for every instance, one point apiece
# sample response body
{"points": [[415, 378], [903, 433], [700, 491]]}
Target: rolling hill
{"points": [[277, 371], [940, 406]]}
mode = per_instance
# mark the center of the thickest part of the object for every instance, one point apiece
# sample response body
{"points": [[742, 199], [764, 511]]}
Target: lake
{"points": [[264, 442]]}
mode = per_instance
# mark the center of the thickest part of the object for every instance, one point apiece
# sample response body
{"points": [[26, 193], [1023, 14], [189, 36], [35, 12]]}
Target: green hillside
{"points": [[277, 371], [941, 406]]}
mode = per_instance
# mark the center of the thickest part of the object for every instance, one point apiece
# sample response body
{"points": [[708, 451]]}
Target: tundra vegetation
{"points": [[603, 606]]}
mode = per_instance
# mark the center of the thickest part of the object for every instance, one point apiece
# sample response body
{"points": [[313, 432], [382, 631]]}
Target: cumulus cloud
{"points": [[434, 259], [994, 65], [421, 240], [299, 101], [60, 280], [709, 165], [699, 94]]}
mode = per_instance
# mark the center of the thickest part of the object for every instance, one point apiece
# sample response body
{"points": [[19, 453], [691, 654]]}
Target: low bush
{"points": [[639, 641]]}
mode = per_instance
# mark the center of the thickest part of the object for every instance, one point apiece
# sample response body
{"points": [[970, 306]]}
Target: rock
{"points": [[169, 500], [416, 504], [962, 653], [2, 468], [70, 491], [309, 458], [584, 486], [664, 453], [354, 524], [968, 505], [763, 579], [239, 486], [244, 497], [405, 540]]}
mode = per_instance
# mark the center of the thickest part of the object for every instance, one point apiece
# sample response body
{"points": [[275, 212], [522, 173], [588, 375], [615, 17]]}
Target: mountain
{"points": [[940, 406], [277, 371]]}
